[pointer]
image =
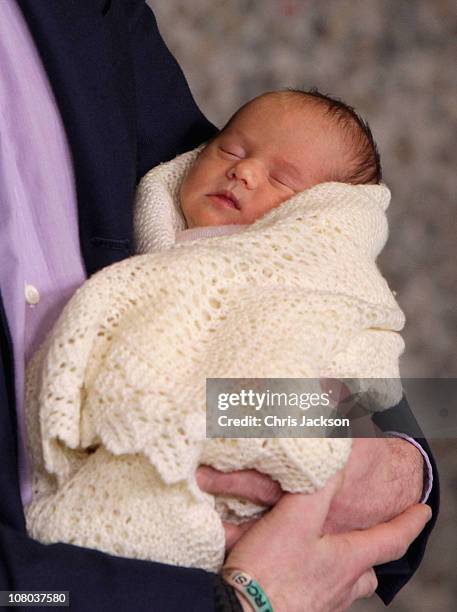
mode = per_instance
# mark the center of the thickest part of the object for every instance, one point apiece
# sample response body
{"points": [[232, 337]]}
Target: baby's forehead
{"points": [[313, 126], [299, 109]]}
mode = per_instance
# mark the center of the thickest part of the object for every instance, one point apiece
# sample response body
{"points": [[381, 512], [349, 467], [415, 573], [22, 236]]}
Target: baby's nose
{"points": [[247, 171]]}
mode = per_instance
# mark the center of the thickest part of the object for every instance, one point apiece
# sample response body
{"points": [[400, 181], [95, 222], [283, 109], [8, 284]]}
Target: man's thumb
{"points": [[310, 509]]}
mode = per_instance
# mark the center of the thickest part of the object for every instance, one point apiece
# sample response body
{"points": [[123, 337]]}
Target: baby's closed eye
{"points": [[281, 181], [231, 152]]}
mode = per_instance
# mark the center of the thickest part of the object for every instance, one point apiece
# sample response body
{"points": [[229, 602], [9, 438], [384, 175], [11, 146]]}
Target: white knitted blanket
{"points": [[116, 397]]}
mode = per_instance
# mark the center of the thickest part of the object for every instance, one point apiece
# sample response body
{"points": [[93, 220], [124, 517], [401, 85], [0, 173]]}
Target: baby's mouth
{"points": [[226, 199]]}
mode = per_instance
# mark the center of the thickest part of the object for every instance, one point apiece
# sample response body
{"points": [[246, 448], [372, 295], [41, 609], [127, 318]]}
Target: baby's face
{"points": [[274, 148]]}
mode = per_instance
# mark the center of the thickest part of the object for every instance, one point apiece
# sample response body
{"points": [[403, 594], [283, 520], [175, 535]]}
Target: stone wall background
{"points": [[394, 61]]}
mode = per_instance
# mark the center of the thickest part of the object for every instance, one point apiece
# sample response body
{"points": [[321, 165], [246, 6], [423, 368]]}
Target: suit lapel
{"points": [[90, 79]]}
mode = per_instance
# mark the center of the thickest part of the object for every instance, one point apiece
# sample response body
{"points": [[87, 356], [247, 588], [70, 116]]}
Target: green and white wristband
{"points": [[249, 588]]}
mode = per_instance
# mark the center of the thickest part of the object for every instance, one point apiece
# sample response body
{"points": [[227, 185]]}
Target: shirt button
{"points": [[32, 295]]}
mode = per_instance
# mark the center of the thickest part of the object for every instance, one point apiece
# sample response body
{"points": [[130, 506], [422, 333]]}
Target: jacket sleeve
{"points": [[393, 576]]}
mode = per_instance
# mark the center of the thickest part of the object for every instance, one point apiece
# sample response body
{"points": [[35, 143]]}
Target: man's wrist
{"points": [[407, 472], [250, 590], [245, 607], [378, 488], [427, 470], [226, 598]]}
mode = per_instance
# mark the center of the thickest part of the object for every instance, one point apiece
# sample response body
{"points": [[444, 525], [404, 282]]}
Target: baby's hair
{"points": [[365, 162]]}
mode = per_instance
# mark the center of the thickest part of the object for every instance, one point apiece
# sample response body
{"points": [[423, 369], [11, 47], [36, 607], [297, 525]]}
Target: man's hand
{"points": [[247, 484], [383, 477], [301, 569]]}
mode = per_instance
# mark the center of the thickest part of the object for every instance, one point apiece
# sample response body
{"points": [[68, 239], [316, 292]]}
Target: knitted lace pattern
{"points": [[116, 396]]}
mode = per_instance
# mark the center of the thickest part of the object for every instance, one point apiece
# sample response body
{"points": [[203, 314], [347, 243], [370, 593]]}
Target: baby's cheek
{"points": [[263, 207], [189, 186], [185, 200], [193, 182]]}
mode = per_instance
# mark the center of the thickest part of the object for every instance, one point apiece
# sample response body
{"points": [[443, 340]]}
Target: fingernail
{"points": [[430, 513]]}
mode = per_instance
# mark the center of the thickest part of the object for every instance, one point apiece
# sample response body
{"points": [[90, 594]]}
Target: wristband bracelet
{"points": [[249, 588]]}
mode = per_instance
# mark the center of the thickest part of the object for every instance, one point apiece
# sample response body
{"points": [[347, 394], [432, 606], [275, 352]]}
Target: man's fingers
{"points": [[314, 506], [389, 541], [234, 532], [248, 484], [365, 586]]}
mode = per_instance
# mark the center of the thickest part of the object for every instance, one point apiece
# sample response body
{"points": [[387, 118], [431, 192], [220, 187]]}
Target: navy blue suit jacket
{"points": [[126, 107]]}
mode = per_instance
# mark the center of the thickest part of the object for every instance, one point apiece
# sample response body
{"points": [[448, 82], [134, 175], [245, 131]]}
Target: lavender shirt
{"points": [[40, 258], [39, 244]]}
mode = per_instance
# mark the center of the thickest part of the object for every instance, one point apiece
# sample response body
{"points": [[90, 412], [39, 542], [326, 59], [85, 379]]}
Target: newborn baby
{"points": [[274, 147], [283, 285]]}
